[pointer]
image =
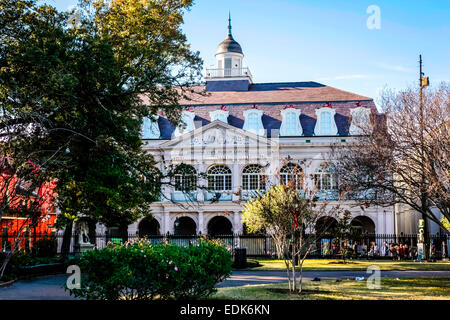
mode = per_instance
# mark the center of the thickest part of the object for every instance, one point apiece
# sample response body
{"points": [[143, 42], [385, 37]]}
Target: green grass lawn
{"points": [[330, 264], [391, 289]]}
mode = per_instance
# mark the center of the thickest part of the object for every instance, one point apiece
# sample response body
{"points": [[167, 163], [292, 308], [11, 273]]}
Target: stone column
{"points": [[237, 225], [166, 220], [201, 226], [380, 225], [236, 180], [201, 182], [133, 228]]}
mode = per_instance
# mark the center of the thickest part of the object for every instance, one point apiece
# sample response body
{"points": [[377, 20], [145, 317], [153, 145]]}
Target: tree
{"points": [[403, 158], [288, 215], [74, 98], [343, 231]]}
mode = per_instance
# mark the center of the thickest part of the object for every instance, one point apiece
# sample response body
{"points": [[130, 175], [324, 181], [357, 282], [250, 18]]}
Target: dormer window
{"points": [[221, 115], [290, 125], [186, 124], [360, 121], [253, 121], [150, 128], [325, 125]]}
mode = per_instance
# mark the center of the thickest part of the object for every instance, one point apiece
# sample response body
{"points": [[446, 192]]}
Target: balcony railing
{"points": [[179, 196], [228, 73], [218, 195]]}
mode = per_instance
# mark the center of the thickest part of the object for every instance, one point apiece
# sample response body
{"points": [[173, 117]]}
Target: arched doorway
{"points": [[363, 225], [219, 226], [117, 234], [325, 226], [149, 227], [364, 233], [185, 226]]}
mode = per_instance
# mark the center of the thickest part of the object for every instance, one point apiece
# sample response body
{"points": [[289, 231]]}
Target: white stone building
{"points": [[241, 130]]}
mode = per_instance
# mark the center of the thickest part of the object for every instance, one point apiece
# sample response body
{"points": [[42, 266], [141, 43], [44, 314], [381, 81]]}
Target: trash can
{"points": [[240, 257]]}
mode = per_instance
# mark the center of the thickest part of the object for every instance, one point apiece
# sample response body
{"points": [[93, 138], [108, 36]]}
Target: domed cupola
{"points": [[229, 44], [229, 69]]}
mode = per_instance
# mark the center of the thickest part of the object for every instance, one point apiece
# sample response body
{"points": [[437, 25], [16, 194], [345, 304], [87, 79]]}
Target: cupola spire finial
{"points": [[229, 23]]}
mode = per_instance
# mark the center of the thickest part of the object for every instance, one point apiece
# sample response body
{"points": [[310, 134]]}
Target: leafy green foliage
{"points": [[344, 231], [74, 99], [141, 271], [287, 215], [273, 210], [46, 247], [445, 223]]}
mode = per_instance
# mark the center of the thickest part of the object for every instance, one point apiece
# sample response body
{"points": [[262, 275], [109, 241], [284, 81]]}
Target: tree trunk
{"points": [[300, 287], [10, 253], [294, 279], [426, 236], [67, 237]]}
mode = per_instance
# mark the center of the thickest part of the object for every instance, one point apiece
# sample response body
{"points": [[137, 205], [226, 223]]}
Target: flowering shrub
{"points": [[142, 271]]}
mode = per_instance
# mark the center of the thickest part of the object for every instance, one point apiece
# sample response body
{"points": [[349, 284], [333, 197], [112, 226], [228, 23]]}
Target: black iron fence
{"points": [[362, 246]]}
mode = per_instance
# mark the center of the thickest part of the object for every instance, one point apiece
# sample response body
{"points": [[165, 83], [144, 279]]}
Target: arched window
{"points": [[292, 173], [325, 177], [185, 178], [253, 178], [186, 124], [253, 121], [150, 128], [360, 124], [291, 122], [325, 123], [219, 178]]}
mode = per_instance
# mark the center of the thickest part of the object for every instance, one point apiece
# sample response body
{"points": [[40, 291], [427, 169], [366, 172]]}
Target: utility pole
{"points": [[423, 82]]}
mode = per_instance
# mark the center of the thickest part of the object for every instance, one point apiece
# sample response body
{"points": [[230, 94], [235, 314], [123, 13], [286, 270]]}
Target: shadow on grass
{"points": [[304, 291]]}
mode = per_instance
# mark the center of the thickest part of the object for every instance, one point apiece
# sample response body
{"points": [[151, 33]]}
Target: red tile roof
{"points": [[276, 93]]}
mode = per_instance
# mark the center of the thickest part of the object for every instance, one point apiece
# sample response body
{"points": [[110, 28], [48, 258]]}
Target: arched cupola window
{"points": [[187, 117], [290, 125], [325, 125], [360, 124], [253, 121], [150, 128]]}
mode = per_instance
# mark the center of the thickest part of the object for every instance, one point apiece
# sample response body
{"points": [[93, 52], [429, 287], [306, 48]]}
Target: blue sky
{"points": [[327, 41]]}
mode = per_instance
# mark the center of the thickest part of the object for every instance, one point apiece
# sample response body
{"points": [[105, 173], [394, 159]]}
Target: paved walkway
{"points": [[41, 288], [242, 278], [51, 287]]}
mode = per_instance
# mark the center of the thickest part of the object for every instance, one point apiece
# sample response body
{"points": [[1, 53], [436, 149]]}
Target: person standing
{"points": [[406, 250], [384, 250]]}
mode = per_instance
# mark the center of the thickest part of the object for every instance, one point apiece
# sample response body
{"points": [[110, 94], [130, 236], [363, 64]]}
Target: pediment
{"points": [[218, 134]]}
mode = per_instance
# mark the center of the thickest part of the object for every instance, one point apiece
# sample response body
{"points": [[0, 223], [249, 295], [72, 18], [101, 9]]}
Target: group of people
{"points": [[397, 251]]}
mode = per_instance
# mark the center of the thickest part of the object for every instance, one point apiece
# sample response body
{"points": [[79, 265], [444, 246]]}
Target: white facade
{"points": [[220, 143]]}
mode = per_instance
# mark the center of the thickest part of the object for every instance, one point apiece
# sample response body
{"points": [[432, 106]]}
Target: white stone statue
{"points": [[84, 233]]}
